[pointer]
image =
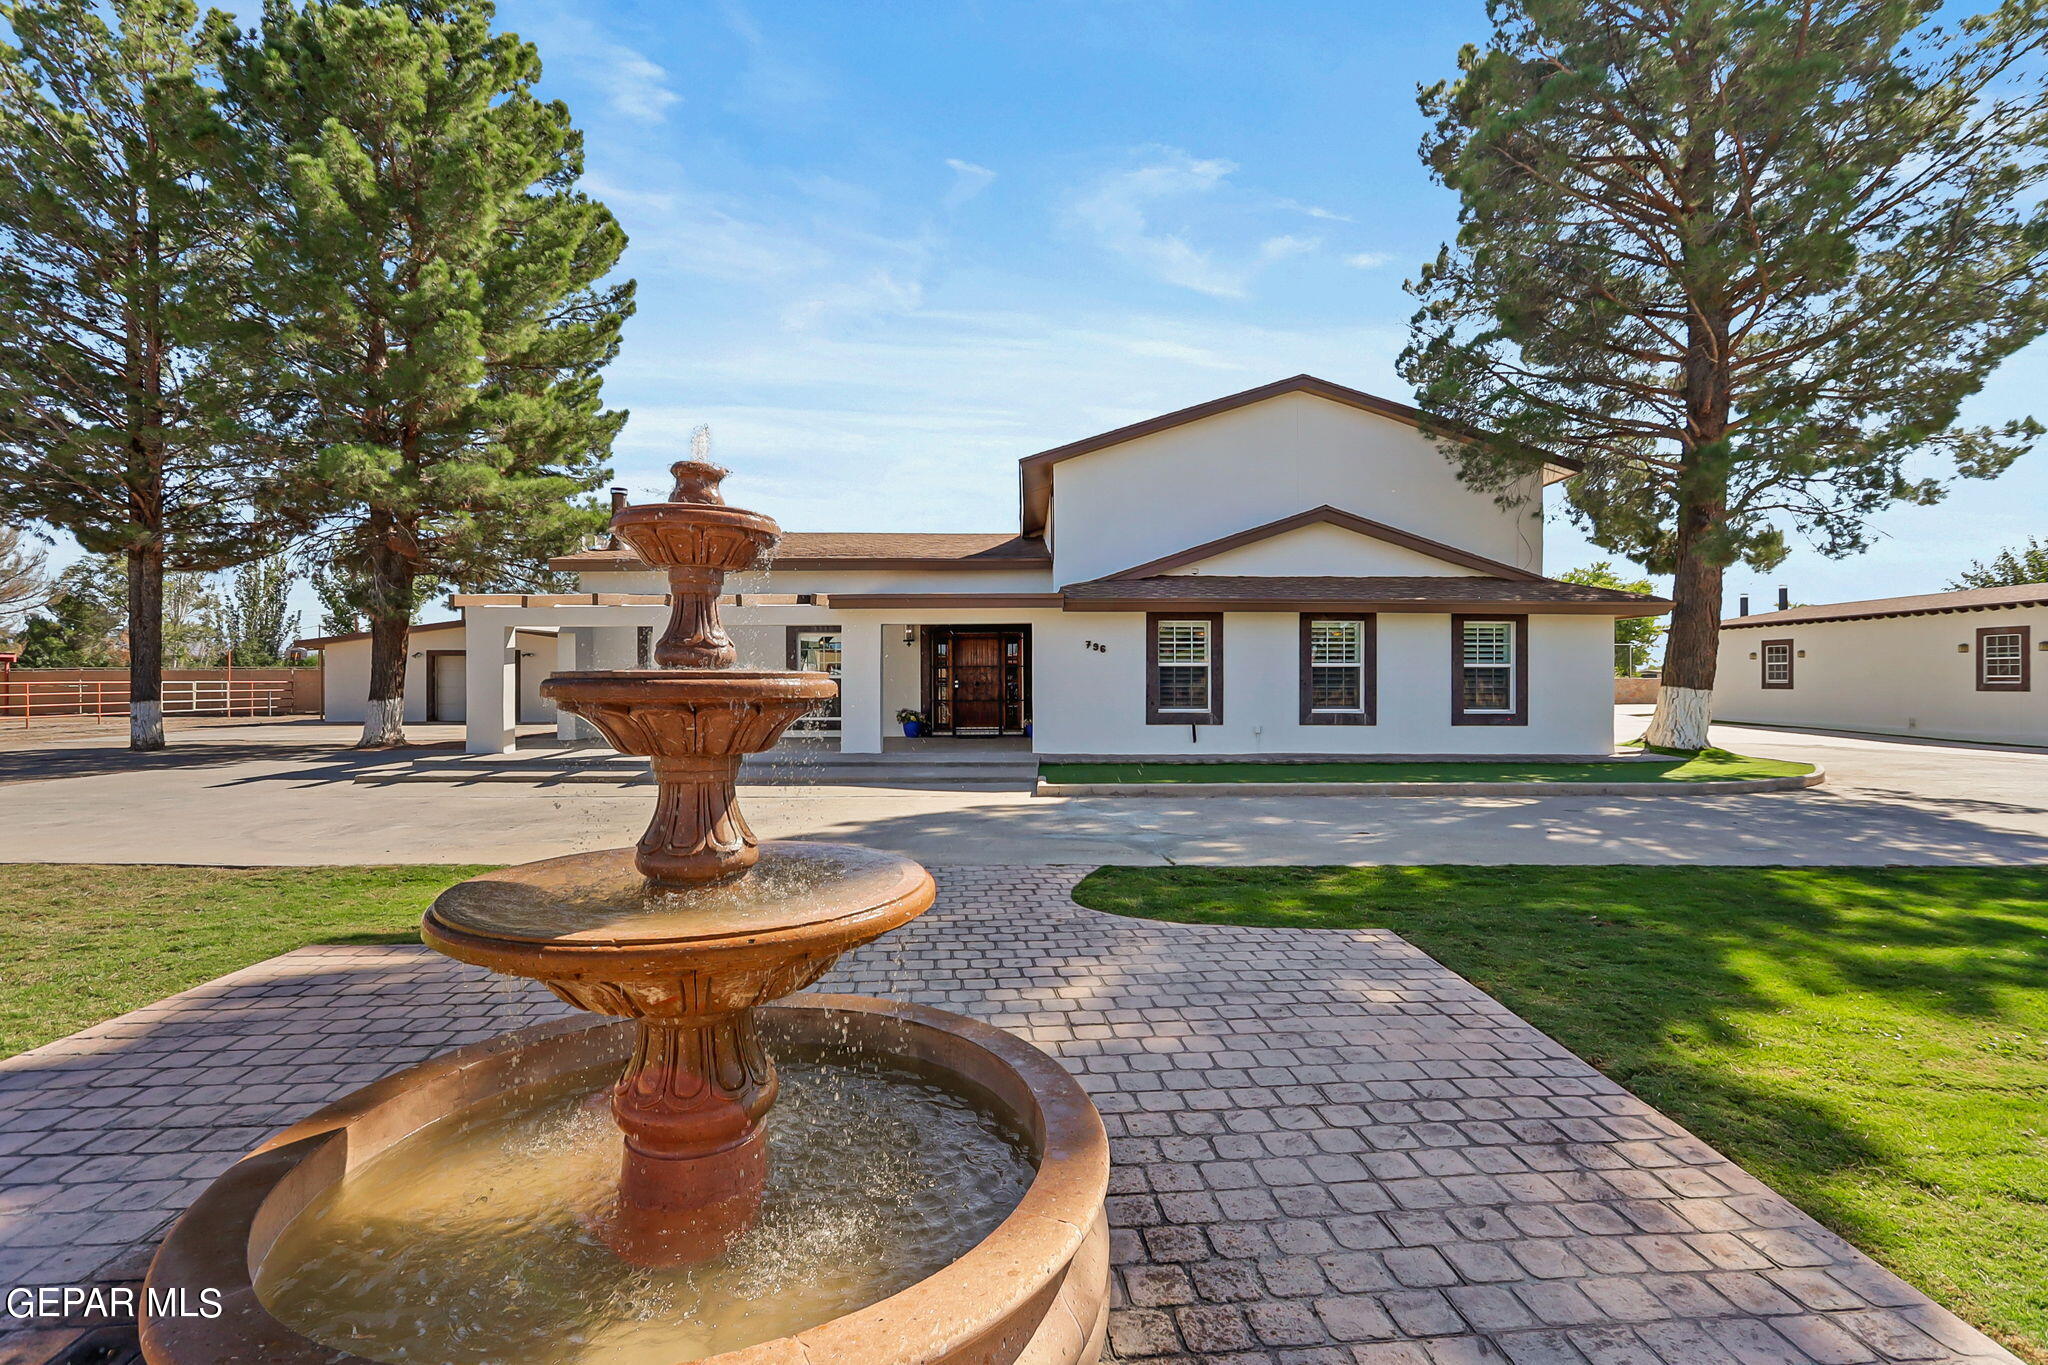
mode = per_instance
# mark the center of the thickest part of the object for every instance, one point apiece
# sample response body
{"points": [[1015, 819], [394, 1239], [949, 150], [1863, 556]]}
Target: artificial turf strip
{"points": [[1707, 765], [83, 943], [1872, 1042]]}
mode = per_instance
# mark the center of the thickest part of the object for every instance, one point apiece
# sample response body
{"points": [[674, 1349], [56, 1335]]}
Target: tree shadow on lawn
{"points": [[1856, 1036]]}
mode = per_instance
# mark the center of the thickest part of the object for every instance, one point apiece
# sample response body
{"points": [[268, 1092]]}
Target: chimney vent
{"points": [[1784, 599], [1742, 605], [618, 506]]}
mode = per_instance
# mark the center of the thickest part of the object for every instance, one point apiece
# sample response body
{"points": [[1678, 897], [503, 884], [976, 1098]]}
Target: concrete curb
{"points": [[1714, 787]]}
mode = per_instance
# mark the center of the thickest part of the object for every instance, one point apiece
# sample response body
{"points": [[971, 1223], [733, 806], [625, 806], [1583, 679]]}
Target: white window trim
{"points": [[1357, 666], [1508, 667], [1207, 664]]}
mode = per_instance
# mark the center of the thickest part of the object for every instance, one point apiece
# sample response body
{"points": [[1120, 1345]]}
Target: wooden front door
{"points": [[977, 681]]}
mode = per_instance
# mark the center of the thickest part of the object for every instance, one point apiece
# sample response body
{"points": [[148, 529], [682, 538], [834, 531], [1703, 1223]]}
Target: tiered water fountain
{"points": [[929, 1189]]}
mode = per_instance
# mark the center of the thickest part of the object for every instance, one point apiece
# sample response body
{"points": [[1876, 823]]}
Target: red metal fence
{"points": [[44, 699]]}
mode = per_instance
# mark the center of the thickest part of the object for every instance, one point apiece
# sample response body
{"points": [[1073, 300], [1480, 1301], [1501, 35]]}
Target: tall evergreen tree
{"points": [[439, 283], [2009, 568], [1744, 259], [120, 420], [24, 586], [254, 619]]}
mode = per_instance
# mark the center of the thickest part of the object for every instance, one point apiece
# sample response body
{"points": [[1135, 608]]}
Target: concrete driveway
{"points": [[283, 793]]}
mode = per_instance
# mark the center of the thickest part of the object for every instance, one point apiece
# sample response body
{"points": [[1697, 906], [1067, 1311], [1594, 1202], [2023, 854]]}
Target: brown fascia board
{"points": [[1464, 606], [1330, 516], [1034, 478], [317, 641], [1769, 620], [934, 601], [857, 563]]}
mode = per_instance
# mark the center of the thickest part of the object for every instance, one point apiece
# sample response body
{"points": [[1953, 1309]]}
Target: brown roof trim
{"points": [[1357, 605], [933, 601], [320, 641], [899, 550], [1877, 608], [1329, 516], [317, 641], [1034, 478]]}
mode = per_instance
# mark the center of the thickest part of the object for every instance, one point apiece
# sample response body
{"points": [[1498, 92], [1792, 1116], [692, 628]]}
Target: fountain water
{"points": [[689, 939]]}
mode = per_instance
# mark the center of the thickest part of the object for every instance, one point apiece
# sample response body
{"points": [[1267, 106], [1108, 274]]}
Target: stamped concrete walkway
{"points": [[1329, 1150]]}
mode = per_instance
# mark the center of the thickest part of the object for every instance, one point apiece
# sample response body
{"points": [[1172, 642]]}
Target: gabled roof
{"points": [[1425, 593], [1924, 604], [1327, 515], [864, 550], [1034, 472]]}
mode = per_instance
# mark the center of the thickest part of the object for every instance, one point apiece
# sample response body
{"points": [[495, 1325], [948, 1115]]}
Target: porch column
{"points": [[860, 688], [574, 653], [490, 673]]}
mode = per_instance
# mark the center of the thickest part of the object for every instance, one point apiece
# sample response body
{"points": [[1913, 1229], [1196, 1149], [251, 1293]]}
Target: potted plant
{"points": [[913, 722]]}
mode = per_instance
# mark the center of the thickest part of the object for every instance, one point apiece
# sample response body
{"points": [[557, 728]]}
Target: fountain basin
{"points": [[1034, 1291]]}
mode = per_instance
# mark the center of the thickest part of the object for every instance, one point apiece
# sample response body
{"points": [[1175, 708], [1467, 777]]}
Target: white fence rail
{"points": [[29, 702]]}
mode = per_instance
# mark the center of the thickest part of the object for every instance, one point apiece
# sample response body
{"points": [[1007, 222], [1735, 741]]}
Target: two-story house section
{"points": [[1295, 569]]}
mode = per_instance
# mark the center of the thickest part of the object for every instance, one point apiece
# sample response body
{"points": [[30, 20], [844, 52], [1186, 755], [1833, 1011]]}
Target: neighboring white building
{"points": [[1947, 665], [1291, 570], [436, 674]]}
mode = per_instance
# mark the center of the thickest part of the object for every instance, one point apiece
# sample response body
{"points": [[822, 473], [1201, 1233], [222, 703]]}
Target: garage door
{"points": [[447, 688]]}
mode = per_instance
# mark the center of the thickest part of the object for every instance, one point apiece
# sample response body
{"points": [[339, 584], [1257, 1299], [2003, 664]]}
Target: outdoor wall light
{"points": [[1752, 654], [910, 635], [1963, 649], [1802, 653]]}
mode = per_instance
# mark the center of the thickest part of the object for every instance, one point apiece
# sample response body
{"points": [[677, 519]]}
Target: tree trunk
{"points": [[1685, 700], [146, 648], [390, 631]]}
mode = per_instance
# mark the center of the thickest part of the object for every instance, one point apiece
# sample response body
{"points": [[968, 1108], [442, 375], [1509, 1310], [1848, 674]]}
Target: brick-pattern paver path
{"points": [[1328, 1149]]}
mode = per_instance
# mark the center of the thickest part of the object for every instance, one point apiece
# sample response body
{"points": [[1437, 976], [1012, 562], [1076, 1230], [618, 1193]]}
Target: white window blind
{"points": [[1336, 666], [1184, 666], [1488, 654]]}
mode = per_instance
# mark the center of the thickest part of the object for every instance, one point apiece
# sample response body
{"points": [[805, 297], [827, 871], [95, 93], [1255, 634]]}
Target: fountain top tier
{"points": [[696, 716]]}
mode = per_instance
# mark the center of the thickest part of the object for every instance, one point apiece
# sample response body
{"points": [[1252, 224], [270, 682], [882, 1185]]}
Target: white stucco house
{"points": [[1946, 665], [436, 674], [1290, 570]]}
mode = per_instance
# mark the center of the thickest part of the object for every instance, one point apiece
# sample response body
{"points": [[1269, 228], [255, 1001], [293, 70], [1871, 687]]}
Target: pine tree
{"points": [[435, 277], [254, 620], [24, 586], [1744, 259], [2009, 568], [120, 420]]}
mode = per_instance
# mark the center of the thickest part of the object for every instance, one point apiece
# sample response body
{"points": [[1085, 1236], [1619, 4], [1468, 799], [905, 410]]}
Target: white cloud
{"points": [[1367, 260], [634, 86], [1121, 212], [1117, 212], [968, 181], [1281, 247], [772, 78]]}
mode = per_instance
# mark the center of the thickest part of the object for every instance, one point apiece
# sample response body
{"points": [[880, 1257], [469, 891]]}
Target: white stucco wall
{"points": [[1094, 702], [345, 683], [1324, 550], [1149, 497], [1902, 675]]}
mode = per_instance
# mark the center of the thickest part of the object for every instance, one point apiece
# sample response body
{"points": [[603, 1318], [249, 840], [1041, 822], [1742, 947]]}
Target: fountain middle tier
{"points": [[696, 726], [689, 964]]}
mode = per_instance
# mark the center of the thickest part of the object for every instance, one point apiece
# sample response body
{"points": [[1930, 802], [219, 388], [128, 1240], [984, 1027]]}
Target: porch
{"points": [[970, 677]]}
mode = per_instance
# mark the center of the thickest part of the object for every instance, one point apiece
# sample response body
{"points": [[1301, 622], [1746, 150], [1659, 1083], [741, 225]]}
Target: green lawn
{"points": [[79, 944], [1871, 1042], [1706, 765]]}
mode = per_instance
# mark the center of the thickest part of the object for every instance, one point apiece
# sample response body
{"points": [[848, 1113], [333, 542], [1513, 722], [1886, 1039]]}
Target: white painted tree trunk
{"points": [[146, 725], [1681, 719], [383, 723]]}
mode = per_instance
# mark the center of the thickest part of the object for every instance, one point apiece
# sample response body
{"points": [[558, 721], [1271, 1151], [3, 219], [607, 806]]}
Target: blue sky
{"points": [[887, 249]]}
